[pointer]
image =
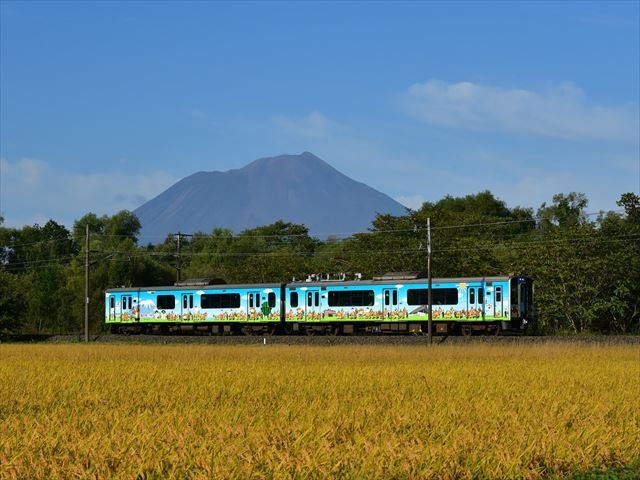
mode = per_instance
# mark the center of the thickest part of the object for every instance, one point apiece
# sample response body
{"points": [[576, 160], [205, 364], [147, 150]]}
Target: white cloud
{"points": [[31, 191], [413, 202], [313, 126], [560, 112]]}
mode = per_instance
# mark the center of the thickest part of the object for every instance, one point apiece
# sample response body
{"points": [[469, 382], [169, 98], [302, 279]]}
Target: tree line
{"points": [[586, 266]]}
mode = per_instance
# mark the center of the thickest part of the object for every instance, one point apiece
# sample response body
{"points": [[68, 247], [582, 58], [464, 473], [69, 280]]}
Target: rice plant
{"points": [[477, 411]]}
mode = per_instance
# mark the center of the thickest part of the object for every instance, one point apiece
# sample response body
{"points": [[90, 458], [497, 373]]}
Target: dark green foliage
{"points": [[11, 302], [586, 269]]}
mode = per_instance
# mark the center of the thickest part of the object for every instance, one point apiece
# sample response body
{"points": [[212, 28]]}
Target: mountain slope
{"points": [[295, 188]]}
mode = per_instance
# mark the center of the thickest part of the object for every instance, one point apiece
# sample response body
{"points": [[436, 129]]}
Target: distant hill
{"points": [[295, 188]]}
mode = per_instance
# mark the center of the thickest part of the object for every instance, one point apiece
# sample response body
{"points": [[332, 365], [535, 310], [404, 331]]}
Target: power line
{"points": [[61, 239], [45, 263], [415, 229], [513, 244]]}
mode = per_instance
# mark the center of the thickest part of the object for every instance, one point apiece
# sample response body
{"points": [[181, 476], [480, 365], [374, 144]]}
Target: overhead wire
{"points": [[414, 229], [502, 237], [47, 263], [241, 235], [630, 237]]}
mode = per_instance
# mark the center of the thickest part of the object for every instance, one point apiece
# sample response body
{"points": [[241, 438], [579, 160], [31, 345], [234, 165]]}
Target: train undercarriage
{"points": [[324, 328]]}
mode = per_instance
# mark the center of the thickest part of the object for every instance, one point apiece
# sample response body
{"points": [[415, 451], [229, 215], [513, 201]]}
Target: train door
{"points": [[254, 305], [187, 306], [112, 307], [526, 299], [390, 299], [312, 304], [521, 294], [498, 308], [127, 308], [474, 302]]}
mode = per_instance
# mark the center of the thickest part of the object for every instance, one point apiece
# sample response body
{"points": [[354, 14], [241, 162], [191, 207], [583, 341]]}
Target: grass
{"points": [[478, 411]]}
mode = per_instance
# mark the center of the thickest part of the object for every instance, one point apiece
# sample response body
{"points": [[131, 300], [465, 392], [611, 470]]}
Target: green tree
{"points": [[631, 203], [12, 301], [566, 211]]}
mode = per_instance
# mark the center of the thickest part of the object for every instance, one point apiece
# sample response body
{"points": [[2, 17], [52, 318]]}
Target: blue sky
{"points": [[103, 105]]}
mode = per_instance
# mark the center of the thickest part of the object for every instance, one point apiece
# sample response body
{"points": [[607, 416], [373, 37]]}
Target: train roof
{"points": [[395, 281], [299, 284], [223, 286]]}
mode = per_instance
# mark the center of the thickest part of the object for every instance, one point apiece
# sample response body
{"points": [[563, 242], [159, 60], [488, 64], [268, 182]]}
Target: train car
{"points": [[391, 303], [215, 309], [398, 303]]}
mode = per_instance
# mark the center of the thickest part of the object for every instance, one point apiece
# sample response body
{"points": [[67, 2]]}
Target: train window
{"points": [[293, 299], [190, 301], [481, 295], [112, 302], [309, 299], [498, 294], [441, 296], [351, 298], [472, 295], [395, 297], [417, 296], [514, 291], [386, 297], [221, 300], [272, 299], [165, 302], [445, 296], [317, 299], [251, 300]]}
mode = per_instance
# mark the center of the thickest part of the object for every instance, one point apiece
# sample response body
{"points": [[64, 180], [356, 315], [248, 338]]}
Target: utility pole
{"points": [[178, 259], [430, 325], [86, 287]]}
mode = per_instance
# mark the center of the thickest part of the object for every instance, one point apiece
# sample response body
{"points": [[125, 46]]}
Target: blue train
{"points": [[391, 303]]}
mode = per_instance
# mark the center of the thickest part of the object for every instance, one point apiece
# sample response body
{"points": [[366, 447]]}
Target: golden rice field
{"points": [[451, 412]]}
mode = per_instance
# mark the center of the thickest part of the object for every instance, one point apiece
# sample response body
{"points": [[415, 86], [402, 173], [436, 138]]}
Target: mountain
{"points": [[295, 188]]}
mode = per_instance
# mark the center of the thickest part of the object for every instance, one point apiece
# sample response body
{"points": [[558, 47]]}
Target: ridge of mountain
{"points": [[295, 188]]}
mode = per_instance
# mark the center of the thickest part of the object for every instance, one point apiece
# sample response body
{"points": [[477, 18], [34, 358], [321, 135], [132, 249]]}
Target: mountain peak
{"points": [[286, 160]]}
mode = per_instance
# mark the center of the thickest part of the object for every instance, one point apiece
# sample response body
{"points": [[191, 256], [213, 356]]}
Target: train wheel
{"points": [[466, 330]]}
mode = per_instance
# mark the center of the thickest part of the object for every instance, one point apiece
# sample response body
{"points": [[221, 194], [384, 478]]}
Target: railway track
{"points": [[328, 340]]}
